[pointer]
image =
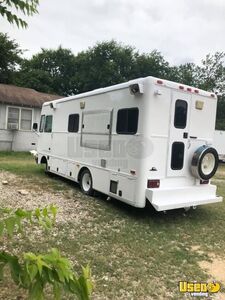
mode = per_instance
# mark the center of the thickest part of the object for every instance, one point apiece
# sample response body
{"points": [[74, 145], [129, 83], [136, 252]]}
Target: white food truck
{"points": [[219, 143], [144, 140]]}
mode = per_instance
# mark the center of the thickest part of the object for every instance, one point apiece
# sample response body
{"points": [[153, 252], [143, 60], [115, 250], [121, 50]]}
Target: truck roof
{"points": [[157, 81]]}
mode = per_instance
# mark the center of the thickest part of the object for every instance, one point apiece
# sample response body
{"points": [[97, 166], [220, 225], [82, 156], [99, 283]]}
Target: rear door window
{"points": [[177, 159], [180, 117]]}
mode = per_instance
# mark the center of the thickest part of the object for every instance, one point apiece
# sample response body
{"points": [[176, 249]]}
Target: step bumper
{"points": [[172, 198]]}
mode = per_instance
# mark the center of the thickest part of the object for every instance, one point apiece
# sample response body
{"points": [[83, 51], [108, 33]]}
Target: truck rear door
{"points": [[178, 134]]}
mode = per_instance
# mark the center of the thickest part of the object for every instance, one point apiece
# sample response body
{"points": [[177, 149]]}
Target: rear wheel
{"points": [[86, 183]]}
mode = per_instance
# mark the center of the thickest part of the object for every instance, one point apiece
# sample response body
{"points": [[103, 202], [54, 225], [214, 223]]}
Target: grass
{"points": [[133, 253]]}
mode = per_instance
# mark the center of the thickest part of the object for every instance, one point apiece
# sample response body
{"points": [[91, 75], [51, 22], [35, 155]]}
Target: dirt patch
{"points": [[215, 268], [216, 271]]}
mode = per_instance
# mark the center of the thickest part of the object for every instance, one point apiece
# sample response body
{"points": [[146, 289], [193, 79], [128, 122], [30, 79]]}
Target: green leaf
{"points": [[10, 224], [57, 290], [2, 265], [1, 228], [53, 210], [45, 212], [37, 213], [36, 291], [32, 271], [15, 269], [30, 256]]}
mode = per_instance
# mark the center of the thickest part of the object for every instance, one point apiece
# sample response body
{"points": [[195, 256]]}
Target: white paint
{"points": [[131, 160], [219, 143]]}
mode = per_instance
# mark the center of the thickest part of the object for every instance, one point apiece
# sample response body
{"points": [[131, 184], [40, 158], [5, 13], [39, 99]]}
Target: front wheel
{"points": [[86, 183]]}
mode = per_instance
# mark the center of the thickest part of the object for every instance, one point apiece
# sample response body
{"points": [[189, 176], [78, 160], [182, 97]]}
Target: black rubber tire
{"points": [[84, 190]]}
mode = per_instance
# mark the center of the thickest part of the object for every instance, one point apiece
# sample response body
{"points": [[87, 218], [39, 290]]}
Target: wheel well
{"points": [[43, 160], [81, 171]]}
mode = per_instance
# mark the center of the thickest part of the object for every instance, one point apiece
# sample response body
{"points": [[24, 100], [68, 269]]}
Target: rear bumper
{"points": [[172, 198], [222, 157]]}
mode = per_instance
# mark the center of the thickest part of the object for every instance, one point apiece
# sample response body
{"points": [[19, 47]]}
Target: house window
{"points": [[13, 118], [19, 118], [48, 124], [26, 119], [127, 121], [73, 123]]}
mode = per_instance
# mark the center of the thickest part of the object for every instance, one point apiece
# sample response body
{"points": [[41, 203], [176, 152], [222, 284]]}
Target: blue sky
{"points": [[183, 30]]}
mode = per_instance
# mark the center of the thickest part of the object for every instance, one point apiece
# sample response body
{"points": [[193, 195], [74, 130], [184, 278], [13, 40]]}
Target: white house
{"points": [[19, 109]]}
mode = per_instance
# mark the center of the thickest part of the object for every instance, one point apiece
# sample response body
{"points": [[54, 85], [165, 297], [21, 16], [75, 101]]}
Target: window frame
{"points": [[127, 132], [19, 121], [78, 122]]}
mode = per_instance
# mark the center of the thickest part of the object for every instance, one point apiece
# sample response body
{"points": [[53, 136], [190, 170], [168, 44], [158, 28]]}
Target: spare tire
{"points": [[204, 162]]}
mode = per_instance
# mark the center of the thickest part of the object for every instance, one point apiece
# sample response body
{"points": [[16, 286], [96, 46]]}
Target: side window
{"points": [[177, 159], [42, 123], [13, 118], [26, 119], [48, 124], [127, 121], [180, 117], [73, 123]]}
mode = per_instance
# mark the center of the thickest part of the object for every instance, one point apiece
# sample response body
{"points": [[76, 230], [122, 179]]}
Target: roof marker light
{"points": [[189, 89], [212, 95], [159, 81], [181, 87], [196, 91]]}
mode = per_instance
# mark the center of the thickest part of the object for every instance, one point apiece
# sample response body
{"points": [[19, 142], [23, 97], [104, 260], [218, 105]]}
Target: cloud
{"points": [[182, 30]]}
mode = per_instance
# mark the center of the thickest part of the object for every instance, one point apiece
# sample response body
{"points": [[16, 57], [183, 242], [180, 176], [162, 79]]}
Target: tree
{"points": [[9, 58], [151, 64], [185, 73], [211, 76], [51, 71], [27, 7], [105, 64], [212, 73]]}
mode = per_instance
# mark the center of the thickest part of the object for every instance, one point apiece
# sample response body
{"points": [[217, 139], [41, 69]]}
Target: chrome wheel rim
{"points": [[208, 163], [86, 182]]}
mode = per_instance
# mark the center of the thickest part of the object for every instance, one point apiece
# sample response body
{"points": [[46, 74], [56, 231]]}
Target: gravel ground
{"points": [[70, 209]]}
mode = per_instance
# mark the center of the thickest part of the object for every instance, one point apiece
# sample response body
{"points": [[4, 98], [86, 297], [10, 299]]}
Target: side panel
{"points": [[219, 143], [96, 129]]}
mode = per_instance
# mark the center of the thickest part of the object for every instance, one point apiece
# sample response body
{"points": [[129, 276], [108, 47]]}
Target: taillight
{"points": [[204, 181], [153, 183]]}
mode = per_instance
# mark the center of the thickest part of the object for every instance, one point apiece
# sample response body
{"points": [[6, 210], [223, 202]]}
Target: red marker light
{"points": [[196, 91], [159, 81], [153, 183], [181, 87], [189, 89]]}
